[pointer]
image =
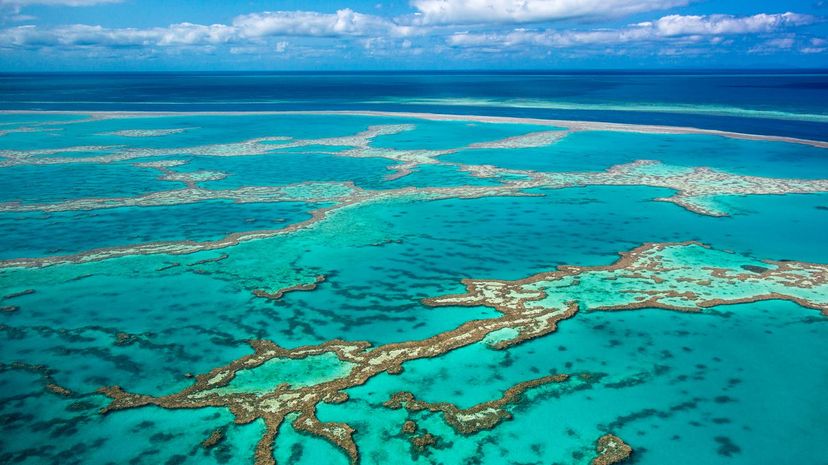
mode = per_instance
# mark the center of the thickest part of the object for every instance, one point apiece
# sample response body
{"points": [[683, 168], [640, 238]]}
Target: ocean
{"points": [[413, 268], [772, 102]]}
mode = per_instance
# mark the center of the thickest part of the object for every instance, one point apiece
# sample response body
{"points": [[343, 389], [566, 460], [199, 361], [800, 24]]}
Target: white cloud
{"points": [[245, 28], [344, 22], [779, 43], [673, 27], [787, 43], [815, 45], [528, 11], [83, 35], [268, 32]]}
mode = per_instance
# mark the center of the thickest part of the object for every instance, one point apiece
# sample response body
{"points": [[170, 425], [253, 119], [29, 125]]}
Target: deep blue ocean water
{"points": [[728, 100]]}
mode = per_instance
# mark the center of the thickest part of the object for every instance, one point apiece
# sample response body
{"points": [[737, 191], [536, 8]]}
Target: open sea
{"points": [[414, 268]]}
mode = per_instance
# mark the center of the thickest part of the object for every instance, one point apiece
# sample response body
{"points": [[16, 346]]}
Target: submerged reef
{"points": [[674, 276], [145, 132], [190, 179], [45, 373], [279, 293], [256, 146], [24, 129], [577, 125], [685, 277], [485, 415], [302, 192], [697, 190]]}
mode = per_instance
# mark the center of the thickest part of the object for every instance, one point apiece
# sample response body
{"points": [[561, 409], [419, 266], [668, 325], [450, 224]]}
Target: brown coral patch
{"points": [[214, 439], [481, 416], [18, 294], [611, 449], [409, 427], [279, 293], [423, 441]]}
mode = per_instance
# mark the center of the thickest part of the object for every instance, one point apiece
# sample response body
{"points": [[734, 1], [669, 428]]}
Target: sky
{"points": [[160, 35]]}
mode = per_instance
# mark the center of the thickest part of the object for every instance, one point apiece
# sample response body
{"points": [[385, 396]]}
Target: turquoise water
{"points": [[441, 135], [198, 130], [595, 151], [36, 234], [734, 384], [53, 183], [290, 168]]}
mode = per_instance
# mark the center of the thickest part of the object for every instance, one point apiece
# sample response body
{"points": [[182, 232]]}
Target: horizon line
{"points": [[817, 70]]}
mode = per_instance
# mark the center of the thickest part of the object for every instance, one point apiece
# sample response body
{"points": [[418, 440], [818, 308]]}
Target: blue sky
{"points": [[411, 34]]}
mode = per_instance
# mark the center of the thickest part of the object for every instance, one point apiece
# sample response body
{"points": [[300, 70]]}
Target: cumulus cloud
{"points": [[81, 35], [345, 22], [267, 32], [804, 45], [528, 11], [815, 45], [773, 45], [673, 27], [245, 28]]}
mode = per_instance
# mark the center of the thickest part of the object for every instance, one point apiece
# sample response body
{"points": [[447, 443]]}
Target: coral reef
{"points": [[145, 132], [696, 191], [279, 293], [674, 276], [611, 449], [684, 276], [214, 439], [481, 416]]}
